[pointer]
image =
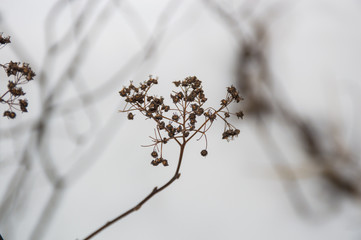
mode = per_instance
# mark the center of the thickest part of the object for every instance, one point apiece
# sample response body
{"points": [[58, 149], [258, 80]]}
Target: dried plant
{"points": [[187, 118], [22, 74]]}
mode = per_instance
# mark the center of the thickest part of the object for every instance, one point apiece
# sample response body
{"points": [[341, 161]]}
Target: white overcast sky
{"points": [[233, 193]]}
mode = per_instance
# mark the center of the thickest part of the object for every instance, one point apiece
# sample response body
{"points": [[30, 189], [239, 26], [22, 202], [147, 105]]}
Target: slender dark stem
{"points": [[3, 96], [149, 196]]}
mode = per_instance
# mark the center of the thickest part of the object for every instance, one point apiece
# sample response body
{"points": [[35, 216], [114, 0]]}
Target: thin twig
{"points": [[148, 197]]}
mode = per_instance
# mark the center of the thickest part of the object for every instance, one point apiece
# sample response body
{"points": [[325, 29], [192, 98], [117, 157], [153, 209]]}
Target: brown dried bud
{"points": [[192, 121], [175, 117], [152, 107], [177, 83], [12, 115], [11, 85], [161, 125], [179, 128], [6, 114], [158, 117], [204, 153], [123, 93], [30, 75], [165, 108], [204, 99], [174, 98], [199, 111], [149, 114], [240, 114], [158, 101], [171, 134], [230, 133], [154, 154], [17, 91], [191, 97], [23, 105], [180, 95], [184, 83], [212, 117], [154, 81], [143, 87], [192, 116], [130, 116], [131, 86], [195, 107], [4, 40], [155, 162], [9, 114], [165, 162]]}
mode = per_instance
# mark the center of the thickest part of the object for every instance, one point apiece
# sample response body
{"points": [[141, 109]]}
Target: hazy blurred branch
{"points": [[266, 101]]}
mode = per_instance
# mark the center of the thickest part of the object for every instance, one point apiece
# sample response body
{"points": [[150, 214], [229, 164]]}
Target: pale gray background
{"points": [[233, 193]]}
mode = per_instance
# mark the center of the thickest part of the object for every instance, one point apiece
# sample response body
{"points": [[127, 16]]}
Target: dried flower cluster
{"points": [[187, 117], [22, 74]]}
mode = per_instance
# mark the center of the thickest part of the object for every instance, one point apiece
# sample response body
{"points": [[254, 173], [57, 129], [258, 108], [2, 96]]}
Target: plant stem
{"points": [[149, 196]]}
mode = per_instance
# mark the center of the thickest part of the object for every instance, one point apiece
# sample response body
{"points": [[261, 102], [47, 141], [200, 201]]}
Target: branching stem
{"points": [[182, 126]]}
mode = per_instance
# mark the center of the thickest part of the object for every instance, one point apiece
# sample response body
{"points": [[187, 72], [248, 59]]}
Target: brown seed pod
{"points": [[212, 117], [130, 116], [143, 87], [12, 115], [165, 108], [195, 107], [179, 128], [175, 117], [224, 102], [171, 134], [155, 162], [11, 85], [154, 154], [161, 125], [240, 114], [177, 83], [180, 95], [158, 117], [165, 162], [23, 105], [169, 127], [204, 152], [199, 111]]}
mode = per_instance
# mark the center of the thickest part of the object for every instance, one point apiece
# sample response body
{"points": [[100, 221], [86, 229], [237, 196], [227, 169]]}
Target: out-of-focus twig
{"points": [[265, 101]]}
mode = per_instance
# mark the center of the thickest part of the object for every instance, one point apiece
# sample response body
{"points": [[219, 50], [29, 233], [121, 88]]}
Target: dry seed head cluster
{"points": [[186, 117], [21, 74]]}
